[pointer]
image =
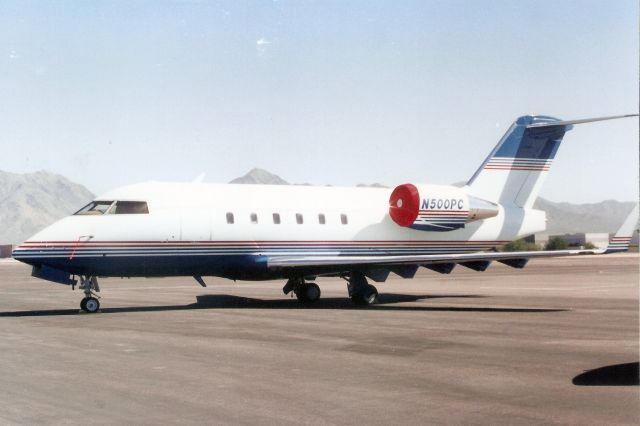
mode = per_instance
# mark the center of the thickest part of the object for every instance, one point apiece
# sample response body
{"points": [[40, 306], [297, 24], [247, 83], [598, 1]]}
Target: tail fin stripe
{"points": [[534, 168], [504, 160], [517, 164]]}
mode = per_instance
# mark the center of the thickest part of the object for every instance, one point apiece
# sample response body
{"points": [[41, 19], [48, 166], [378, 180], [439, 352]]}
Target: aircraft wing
{"points": [[425, 259], [478, 260]]}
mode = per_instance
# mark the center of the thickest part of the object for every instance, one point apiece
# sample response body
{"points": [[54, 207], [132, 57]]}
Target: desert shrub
{"points": [[520, 245], [556, 243]]}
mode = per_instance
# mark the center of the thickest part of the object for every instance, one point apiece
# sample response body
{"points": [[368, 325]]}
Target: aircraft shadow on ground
{"points": [[610, 375], [387, 302]]}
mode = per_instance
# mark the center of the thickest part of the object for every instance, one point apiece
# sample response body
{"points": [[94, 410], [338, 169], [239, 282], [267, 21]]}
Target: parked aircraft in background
{"points": [[299, 233]]}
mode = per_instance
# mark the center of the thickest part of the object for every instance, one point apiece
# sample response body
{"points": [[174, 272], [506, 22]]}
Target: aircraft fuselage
{"points": [[228, 230]]}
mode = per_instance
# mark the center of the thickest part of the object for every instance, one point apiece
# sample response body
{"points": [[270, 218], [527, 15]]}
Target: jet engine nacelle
{"points": [[437, 207]]}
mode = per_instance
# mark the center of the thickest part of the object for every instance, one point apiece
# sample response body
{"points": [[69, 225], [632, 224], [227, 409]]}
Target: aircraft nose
{"points": [[35, 250], [27, 253], [49, 244]]}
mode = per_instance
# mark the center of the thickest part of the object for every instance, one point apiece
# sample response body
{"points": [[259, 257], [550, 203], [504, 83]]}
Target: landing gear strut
{"points": [[304, 291], [360, 291], [90, 302]]}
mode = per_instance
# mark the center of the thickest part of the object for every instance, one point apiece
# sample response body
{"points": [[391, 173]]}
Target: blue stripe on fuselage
{"points": [[247, 266], [234, 266]]}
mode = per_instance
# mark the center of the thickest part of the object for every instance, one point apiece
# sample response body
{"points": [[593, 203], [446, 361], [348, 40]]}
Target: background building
{"points": [[5, 250], [598, 239]]}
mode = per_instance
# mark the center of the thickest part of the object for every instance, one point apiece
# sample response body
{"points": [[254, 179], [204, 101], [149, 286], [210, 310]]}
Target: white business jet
{"points": [[299, 233]]}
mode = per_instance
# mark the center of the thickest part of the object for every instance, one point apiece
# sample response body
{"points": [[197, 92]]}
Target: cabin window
{"points": [[343, 219], [129, 207], [230, 218], [321, 219], [299, 219], [254, 217], [276, 218], [95, 208]]}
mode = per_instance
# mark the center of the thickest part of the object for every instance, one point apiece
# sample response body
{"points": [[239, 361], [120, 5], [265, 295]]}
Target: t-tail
{"points": [[514, 171]]}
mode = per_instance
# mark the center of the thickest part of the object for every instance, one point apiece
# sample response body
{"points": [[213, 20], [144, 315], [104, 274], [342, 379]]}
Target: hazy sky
{"points": [[111, 93]]}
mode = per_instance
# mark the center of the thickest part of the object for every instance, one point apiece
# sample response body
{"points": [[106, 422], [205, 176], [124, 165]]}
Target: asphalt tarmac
{"points": [[555, 343]]}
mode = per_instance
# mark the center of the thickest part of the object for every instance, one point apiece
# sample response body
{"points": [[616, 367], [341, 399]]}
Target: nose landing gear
{"points": [[90, 302]]}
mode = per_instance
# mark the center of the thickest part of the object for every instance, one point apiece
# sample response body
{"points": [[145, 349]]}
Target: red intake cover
{"points": [[404, 204]]}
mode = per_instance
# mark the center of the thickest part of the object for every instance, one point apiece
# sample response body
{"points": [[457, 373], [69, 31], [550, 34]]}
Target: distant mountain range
{"points": [[567, 218], [263, 177], [29, 202], [32, 201], [260, 176]]}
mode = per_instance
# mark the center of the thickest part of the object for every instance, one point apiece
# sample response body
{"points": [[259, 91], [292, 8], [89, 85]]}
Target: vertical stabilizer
{"points": [[514, 171]]}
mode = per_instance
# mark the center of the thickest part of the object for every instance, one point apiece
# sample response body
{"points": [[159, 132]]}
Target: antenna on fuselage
{"points": [[199, 178]]}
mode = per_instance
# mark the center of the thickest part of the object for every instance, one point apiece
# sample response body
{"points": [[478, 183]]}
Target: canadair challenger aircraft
{"points": [[298, 233]]}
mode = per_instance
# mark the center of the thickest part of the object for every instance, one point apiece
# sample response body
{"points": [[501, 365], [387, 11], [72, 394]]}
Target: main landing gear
{"points": [[90, 302], [304, 291], [360, 291]]}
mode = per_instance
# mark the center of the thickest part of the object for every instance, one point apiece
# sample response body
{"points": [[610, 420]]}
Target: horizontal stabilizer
{"points": [[570, 122]]}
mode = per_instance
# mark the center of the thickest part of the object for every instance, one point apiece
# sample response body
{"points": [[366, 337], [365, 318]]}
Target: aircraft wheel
{"points": [[90, 305], [312, 292], [368, 296], [308, 292]]}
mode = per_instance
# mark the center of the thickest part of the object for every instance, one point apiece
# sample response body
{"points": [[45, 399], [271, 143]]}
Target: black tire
{"points": [[371, 295], [366, 297], [91, 305], [311, 292], [300, 292], [83, 304], [358, 299]]}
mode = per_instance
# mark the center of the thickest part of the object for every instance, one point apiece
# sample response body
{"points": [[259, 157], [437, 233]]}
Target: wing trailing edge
{"points": [[423, 259]]}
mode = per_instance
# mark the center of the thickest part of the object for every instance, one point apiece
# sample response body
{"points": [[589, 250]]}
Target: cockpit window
{"points": [[130, 207], [95, 208], [114, 207]]}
